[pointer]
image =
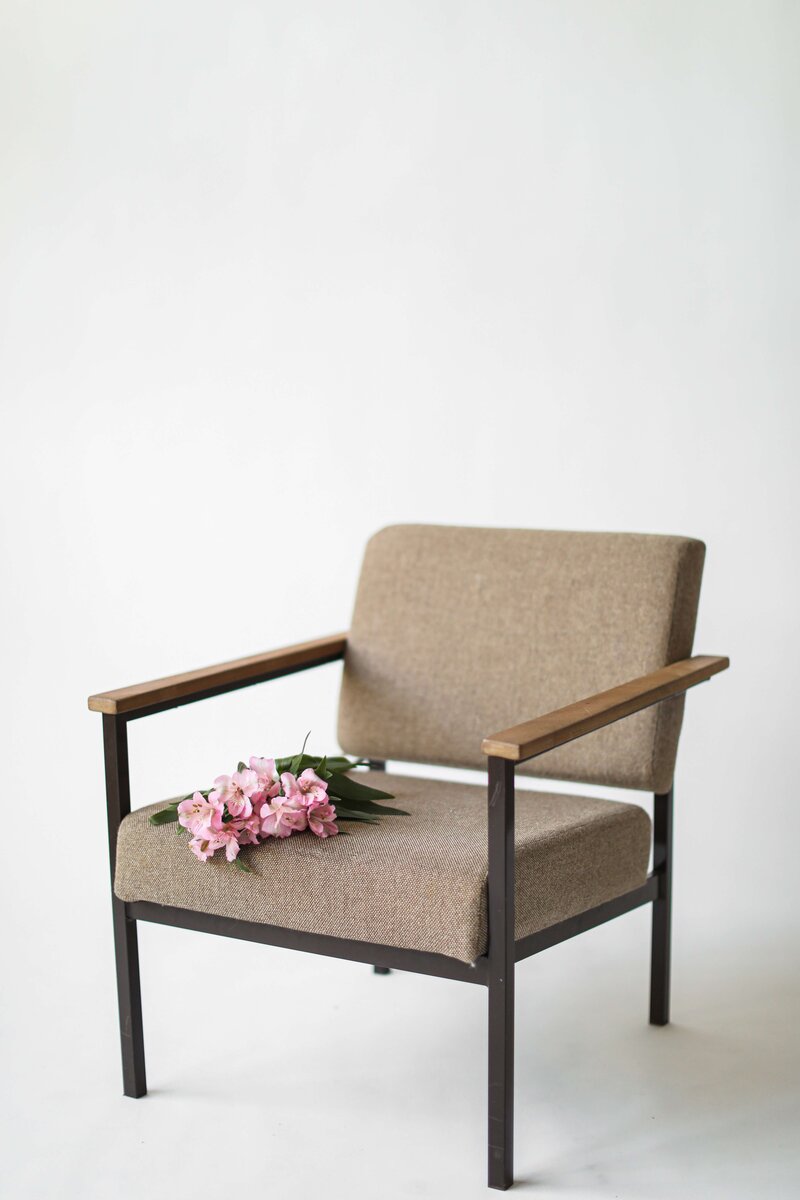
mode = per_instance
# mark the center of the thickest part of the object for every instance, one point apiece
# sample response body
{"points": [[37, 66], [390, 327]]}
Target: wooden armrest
{"points": [[176, 689], [555, 728]]}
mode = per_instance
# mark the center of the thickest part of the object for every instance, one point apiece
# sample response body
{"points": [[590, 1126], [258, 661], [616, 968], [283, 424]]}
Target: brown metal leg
{"points": [[662, 918], [115, 739], [501, 973]]}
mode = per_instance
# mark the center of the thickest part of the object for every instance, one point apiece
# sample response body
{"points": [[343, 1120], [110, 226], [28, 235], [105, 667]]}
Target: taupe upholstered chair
{"points": [[456, 633]]}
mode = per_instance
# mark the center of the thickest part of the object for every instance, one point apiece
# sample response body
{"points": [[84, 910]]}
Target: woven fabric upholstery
{"points": [[417, 882], [459, 633]]}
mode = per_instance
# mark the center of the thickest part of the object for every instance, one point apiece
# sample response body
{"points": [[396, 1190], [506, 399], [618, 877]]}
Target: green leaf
{"points": [[344, 814], [335, 763], [321, 769], [349, 789], [369, 807], [243, 865], [338, 763], [242, 767], [297, 763], [165, 816]]}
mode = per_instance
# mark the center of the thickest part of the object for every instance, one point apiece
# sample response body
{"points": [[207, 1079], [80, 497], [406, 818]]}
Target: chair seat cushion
{"points": [[417, 882]]}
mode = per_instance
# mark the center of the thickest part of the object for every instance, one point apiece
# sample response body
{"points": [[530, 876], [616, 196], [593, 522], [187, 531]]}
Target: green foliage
{"points": [[165, 816]]}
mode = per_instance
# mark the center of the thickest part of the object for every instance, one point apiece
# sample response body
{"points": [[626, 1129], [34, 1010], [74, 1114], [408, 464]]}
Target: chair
{"points": [[456, 632]]}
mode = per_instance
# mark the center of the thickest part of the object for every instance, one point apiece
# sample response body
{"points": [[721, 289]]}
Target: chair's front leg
{"points": [[660, 943], [134, 1083], [501, 973]]}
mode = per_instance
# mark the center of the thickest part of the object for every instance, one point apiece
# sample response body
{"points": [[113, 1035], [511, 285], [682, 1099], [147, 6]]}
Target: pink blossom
{"points": [[249, 830], [235, 791], [281, 816], [228, 837], [225, 831], [307, 789], [195, 813], [269, 784], [256, 803], [322, 820], [204, 847]]}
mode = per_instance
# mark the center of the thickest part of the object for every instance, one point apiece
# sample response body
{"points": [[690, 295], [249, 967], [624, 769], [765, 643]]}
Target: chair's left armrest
{"points": [[241, 672], [565, 724]]}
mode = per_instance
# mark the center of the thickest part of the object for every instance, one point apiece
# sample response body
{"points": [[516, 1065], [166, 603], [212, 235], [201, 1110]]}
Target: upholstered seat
{"points": [[417, 882]]}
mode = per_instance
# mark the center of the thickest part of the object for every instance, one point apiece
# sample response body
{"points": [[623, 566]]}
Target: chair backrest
{"points": [[458, 633]]}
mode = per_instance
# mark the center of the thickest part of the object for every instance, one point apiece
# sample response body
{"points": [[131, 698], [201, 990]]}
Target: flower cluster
{"points": [[273, 798], [256, 803]]}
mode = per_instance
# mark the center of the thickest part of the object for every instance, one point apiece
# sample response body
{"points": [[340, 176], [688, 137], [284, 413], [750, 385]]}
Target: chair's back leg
{"points": [[501, 973], [115, 740], [660, 946]]}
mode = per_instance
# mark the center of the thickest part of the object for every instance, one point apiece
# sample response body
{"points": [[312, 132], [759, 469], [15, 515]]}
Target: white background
{"points": [[275, 275]]}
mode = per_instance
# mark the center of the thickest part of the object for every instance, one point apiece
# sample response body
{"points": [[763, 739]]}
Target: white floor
{"points": [[277, 1074]]}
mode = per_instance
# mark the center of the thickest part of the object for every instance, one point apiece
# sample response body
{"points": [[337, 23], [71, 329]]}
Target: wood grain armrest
{"points": [[565, 724], [241, 672]]}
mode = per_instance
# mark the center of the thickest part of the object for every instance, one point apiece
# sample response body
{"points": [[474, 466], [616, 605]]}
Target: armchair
{"points": [[455, 632]]}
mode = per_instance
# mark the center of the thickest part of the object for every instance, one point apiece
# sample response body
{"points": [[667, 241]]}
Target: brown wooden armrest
{"points": [[565, 724], [222, 677]]}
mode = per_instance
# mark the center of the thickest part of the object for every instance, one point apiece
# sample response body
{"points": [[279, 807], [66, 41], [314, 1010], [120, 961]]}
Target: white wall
{"points": [[276, 274]]}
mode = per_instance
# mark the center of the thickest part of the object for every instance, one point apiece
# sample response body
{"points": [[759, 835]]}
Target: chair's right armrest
{"points": [[223, 677], [544, 733]]}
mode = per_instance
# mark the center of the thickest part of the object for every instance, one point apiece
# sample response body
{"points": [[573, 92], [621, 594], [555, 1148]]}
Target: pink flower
{"points": [[249, 830], [280, 817], [228, 837], [268, 782], [255, 803], [235, 791], [195, 813], [222, 836], [231, 834], [307, 789], [322, 820], [204, 847]]}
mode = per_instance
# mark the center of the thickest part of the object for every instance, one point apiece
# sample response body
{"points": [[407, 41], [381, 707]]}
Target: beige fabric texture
{"points": [[459, 633], [417, 882]]}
